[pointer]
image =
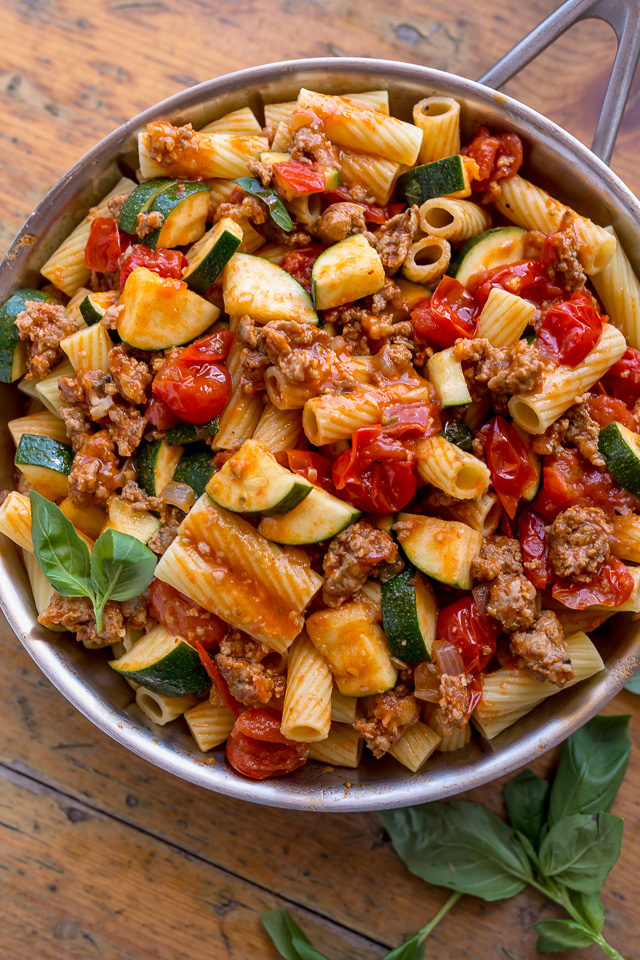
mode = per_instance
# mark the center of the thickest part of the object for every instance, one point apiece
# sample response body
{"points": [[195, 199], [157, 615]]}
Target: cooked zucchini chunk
{"points": [[184, 207], [347, 271], [136, 523], [440, 178], [160, 313], [195, 469], [208, 257], [447, 376], [189, 433], [156, 464], [443, 549], [318, 517], [165, 664], [13, 350], [265, 291], [493, 248], [253, 482], [95, 305], [620, 448], [409, 613], [139, 201], [46, 463]]}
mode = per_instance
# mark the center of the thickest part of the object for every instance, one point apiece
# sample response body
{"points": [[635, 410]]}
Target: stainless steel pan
{"points": [[555, 159]]}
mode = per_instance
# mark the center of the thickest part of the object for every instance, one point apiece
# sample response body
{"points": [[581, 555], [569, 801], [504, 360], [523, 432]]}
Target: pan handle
{"points": [[624, 17]]}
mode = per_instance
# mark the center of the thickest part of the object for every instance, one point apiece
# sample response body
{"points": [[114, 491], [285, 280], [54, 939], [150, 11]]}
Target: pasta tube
{"points": [[306, 715], [439, 120]]}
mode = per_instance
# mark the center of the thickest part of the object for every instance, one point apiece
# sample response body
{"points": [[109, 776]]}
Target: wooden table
{"points": [[102, 855]]}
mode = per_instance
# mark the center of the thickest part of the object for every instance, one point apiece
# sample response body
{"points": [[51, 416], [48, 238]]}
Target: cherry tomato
{"points": [[499, 156], [371, 210], [470, 631], [535, 551], [185, 618], [509, 463], [105, 245], [194, 385], [570, 479], [300, 177], [214, 347], [160, 415], [604, 410], [609, 587], [299, 263], [411, 420], [570, 330], [525, 278], [256, 748], [449, 314], [622, 380], [313, 467], [218, 680], [166, 263], [377, 474]]}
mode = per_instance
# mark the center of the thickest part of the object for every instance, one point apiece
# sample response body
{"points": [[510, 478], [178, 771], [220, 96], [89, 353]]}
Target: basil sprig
{"points": [[270, 198], [560, 839], [119, 568]]}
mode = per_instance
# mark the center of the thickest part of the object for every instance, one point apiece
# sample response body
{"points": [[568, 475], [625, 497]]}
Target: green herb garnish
{"points": [[276, 207]]}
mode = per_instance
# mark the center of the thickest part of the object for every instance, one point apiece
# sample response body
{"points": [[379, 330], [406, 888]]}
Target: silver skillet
{"points": [[573, 173]]}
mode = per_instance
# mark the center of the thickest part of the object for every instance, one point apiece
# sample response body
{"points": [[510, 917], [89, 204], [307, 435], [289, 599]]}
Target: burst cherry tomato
{"points": [[622, 380], [604, 410], [184, 618], [499, 156], [569, 479], [299, 263], [470, 631], [411, 420], [105, 245], [609, 587], [525, 278], [313, 467], [194, 385], [509, 462], [377, 473], [300, 177], [570, 330], [449, 314], [535, 551], [166, 263], [160, 415], [372, 211], [218, 681], [257, 748]]}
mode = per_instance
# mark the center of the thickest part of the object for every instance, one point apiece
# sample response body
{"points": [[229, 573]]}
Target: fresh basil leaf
{"points": [[277, 209], [589, 907], [557, 935], [62, 555], [529, 848], [121, 566], [288, 938], [459, 845], [634, 683], [412, 949], [580, 850], [526, 797], [592, 765]]}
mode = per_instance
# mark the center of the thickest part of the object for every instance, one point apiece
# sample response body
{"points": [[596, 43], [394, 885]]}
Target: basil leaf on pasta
{"points": [[270, 198], [63, 557]]}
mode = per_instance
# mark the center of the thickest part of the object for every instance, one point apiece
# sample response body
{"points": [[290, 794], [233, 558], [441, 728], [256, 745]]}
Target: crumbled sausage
{"points": [[249, 209], [44, 324], [262, 171], [340, 221], [115, 204], [389, 295], [563, 262], [578, 428], [131, 376], [454, 702], [134, 612], [170, 518], [248, 670], [505, 370], [393, 239], [498, 555], [310, 145], [387, 717], [126, 427], [146, 223], [542, 649], [356, 553], [76, 614], [95, 473], [513, 602], [295, 353], [138, 499], [168, 143], [579, 542]]}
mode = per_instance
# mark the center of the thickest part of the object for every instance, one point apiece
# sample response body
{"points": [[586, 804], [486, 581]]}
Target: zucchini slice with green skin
{"points": [[13, 350], [165, 664], [440, 178], [160, 313], [156, 464], [184, 206], [620, 448], [139, 201], [46, 463], [346, 271], [252, 482], [493, 248], [195, 469], [208, 258], [443, 549], [320, 516], [265, 291], [95, 305], [409, 613], [448, 379], [136, 523], [188, 433]]}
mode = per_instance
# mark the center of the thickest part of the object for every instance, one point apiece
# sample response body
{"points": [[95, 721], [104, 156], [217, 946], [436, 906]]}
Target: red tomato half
{"points": [[377, 474], [218, 681], [470, 631], [622, 380], [509, 463], [570, 330], [184, 618], [166, 263], [449, 314], [604, 410], [410, 420], [105, 245], [499, 156], [257, 748], [312, 466], [299, 263], [160, 415], [525, 278], [610, 587], [535, 551], [570, 479], [300, 177], [194, 385]]}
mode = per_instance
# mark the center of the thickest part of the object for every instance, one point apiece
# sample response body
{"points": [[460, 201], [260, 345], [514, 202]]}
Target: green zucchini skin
{"points": [[200, 277], [400, 616], [168, 203], [9, 335], [195, 469], [436, 179], [620, 449], [186, 433], [480, 252], [176, 675], [139, 201], [153, 463], [37, 451]]}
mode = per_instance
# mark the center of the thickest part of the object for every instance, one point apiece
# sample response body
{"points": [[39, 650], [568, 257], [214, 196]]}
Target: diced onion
{"points": [[446, 658], [427, 683], [179, 495]]}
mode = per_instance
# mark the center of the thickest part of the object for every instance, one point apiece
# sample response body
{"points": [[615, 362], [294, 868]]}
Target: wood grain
{"points": [[102, 855]]}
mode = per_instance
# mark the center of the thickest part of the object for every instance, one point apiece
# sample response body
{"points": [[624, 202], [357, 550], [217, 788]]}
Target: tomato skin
{"points": [[301, 177], [194, 385], [371, 210], [609, 587], [446, 316], [299, 263], [569, 479], [261, 723], [377, 474], [310, 465], [604, 410], [533, 541], [622, 380], [525, 278], [184, 618], [160, 415], [218, 681], [105, 245], [166, 263], [570, 330], [411, 420], [257, 749], [499, 156], [470, 631], [214, 347], [509, 463]]}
